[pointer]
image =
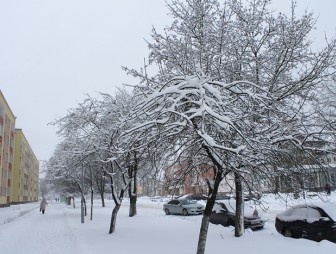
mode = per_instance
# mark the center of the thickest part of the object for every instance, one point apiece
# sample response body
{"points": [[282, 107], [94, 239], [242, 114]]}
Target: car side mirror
{"points": [[324, 219]]}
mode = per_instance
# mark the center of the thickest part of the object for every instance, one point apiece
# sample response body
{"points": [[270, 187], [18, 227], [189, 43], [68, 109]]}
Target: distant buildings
{"points": [[19, 167]]}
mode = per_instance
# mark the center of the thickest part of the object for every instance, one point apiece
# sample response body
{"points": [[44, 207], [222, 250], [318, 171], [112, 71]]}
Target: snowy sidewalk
{"points": [[60, 231], [35, 233]]}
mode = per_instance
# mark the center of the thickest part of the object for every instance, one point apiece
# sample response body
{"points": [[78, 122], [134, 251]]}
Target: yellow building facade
{"points": [[25, 171], [7, 127], [19, 167]]}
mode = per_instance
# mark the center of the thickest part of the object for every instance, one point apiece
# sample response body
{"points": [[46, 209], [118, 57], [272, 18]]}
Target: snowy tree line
{"points": [[232, 85]]}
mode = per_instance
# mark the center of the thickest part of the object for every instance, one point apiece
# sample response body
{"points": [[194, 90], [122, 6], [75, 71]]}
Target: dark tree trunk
{"points": [[239, 221], [132, 189], [114, 218], [207, 212], [102, 199], [68, 200], [206, 218], [133, 208], [100, 182], [203, 233], [91, 186], [219, 175], [85, 209], [117, 201], [91, 215]]}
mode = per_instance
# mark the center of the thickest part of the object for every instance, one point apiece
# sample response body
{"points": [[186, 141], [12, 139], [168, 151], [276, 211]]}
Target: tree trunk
{"points": [[239, 221], [207, 213], [114, 218], [212, 193], [132, 189], [73, 202], [102, 199], [68, 200], [133, 208], [85, 209], [91, 215], [91, 187], [203, 234], [100, 183]]}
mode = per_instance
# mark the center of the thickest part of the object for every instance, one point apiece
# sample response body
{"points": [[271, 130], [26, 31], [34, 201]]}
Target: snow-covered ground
{"points": [[24, 230]]}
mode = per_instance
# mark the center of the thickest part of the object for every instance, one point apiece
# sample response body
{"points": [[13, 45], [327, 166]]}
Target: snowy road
{"points": [[37, 233]]}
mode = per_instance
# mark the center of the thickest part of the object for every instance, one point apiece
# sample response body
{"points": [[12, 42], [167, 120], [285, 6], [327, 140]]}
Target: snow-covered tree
{"points": [[232, 83]]}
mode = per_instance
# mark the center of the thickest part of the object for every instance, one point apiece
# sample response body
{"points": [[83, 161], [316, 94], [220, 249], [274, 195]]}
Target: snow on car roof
{"points": [[305, 211]]}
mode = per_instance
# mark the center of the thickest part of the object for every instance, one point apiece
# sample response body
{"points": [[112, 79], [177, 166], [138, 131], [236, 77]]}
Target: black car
{"points": [[224, 213], [308, 221], [196, 197]]}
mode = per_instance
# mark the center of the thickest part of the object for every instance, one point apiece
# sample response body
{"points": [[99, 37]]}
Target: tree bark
{"points": [[85, 208], [207, 212], [239, 221], [203, 234], [114, 218], [100, 182], [132, 189], [133, 208], [91, 215], [102, 199]]}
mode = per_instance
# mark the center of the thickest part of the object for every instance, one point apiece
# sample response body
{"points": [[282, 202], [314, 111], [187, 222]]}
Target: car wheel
{"points": [[167, 211], [288, 233], [184, 212]]}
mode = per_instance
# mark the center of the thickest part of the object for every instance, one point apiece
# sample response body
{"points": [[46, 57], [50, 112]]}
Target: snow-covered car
{"points": [[182, 206], [314, 222], [224, 213]]}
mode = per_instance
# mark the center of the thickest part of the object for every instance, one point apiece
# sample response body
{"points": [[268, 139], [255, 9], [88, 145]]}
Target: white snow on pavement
{"points": [[151, 231]]}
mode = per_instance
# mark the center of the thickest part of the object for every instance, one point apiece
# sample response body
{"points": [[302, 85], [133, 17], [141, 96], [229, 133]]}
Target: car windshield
{"points": [[185, 201], [329, 209], [231, 206]]}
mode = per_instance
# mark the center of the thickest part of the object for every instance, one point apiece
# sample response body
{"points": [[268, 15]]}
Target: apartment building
{"points": [[7, 127], [19, 167], [25, 171]]}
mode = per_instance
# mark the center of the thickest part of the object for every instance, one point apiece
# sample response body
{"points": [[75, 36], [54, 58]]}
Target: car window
{"points": [[187, 201], [218, 208], [313, 215], [173, 202]]}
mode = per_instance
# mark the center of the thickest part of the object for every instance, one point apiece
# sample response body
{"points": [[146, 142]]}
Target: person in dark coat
{"points": [[43, 205]]}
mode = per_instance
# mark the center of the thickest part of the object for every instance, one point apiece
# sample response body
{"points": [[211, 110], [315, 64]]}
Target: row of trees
{"points": [[231, 85]]}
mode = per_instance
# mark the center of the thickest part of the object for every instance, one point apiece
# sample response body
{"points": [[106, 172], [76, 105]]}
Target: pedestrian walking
{"points": [[43, 205]]}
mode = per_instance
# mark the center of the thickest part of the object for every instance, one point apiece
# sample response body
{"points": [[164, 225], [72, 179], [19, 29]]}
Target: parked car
{"points": [[224, 213], [196, 197], [183, 206], [314, 222]]}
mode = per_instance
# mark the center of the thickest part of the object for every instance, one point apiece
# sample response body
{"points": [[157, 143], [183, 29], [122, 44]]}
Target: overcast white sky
{"points": [[52, 52]]}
